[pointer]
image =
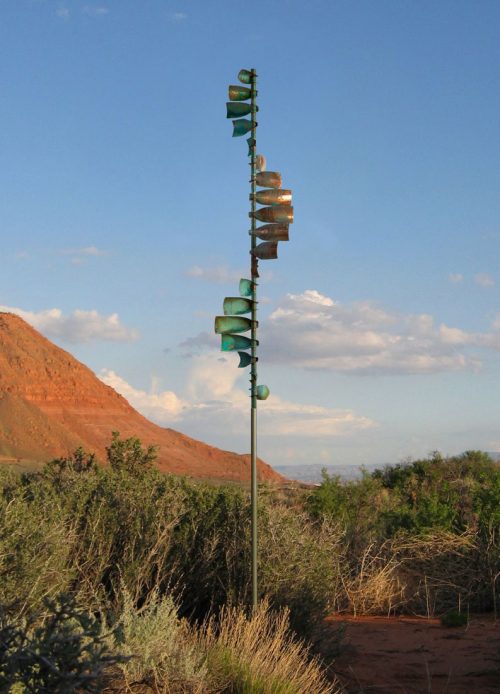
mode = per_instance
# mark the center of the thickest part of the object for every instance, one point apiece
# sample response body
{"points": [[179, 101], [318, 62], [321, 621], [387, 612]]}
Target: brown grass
{"points": [[259, 655]]}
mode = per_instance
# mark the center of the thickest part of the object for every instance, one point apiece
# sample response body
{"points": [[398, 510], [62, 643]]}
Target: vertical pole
{"points": [[253, 369]]}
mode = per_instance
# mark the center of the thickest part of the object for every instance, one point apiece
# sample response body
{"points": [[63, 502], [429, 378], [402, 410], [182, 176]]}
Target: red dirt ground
{"points": [[410, 655]]}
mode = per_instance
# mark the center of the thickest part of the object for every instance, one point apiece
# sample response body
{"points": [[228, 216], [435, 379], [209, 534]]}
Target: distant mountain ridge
{"points": [[50, 404], [312, 474]]}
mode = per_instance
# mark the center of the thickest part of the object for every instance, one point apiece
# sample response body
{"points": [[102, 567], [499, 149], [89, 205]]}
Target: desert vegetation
{"points": [[125, 578]]}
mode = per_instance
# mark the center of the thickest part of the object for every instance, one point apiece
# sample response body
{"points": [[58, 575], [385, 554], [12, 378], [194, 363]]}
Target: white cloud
{"points": [[95, 11], [213, 397], [80, 255], [313, 331], [311, 296], [484, 280], [92, 250], [290, 419], [455, 277], [453, 336], [488, 340], [63, 13], [79, 326], [163, 407], [177, 16], [211, 379]]}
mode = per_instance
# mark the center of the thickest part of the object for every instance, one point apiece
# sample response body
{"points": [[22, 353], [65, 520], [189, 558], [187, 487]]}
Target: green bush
{"points": [[36, 540], [297, 565], [90, 530], [453, 618], [60, 651], [427, 532], [423, 536], [128, 455]]}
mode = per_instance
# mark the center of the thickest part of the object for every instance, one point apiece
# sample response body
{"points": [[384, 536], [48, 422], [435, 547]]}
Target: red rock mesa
{"points": [[50, 404]]}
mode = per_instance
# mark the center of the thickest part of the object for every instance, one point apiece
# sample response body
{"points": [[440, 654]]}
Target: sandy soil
{"points": [[409, 655]]}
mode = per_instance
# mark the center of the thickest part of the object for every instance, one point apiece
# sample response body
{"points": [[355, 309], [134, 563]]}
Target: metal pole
{"points": [[253, 369]]}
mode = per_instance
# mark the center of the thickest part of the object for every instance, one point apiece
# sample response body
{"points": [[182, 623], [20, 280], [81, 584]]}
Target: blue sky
{"points": [[124, 203]]}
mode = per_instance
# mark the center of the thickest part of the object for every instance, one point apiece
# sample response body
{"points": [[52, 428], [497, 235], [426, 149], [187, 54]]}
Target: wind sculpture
{"points": [[277, 214]]}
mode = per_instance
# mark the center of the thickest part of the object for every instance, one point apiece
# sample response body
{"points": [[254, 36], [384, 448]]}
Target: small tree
{"points": [[129, 455]]}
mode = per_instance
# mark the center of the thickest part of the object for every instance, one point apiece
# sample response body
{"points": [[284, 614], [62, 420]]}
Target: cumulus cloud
{"points": [[484, 280], [313, 331], [163, 407], [453, 336], [79, 326], [210, 379], [213, 395], [455, 277], [291, 419]]}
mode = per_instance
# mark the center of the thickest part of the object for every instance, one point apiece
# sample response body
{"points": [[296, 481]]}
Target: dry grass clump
{"points": [[373, 585], [425, 574], [440, 571], [259, 655], [230, 653]]}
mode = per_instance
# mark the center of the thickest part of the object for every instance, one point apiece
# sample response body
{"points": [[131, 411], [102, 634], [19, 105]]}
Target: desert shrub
{"points": [[211, 550], [211, 553], [128, 455], [58, 651], [454, 618], [259, 655], [423, 574], [297, 567], [441, 571], [80, 462], [166, 534], [455, 494], [356, 506], [159, 648], [124, 532], [421, 536], [36, 537]]}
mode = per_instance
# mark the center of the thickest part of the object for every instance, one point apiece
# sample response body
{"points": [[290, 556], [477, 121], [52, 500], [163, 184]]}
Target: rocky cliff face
{"points": [[50, 404]]}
